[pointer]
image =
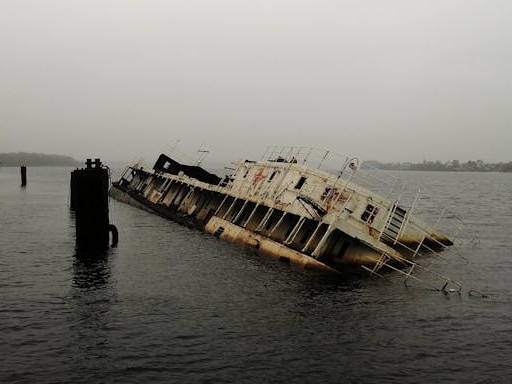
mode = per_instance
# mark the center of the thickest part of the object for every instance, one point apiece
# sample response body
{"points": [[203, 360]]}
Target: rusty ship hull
{"points": [[283, 208]]}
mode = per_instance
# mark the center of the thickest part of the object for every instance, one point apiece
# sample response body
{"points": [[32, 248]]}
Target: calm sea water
{"points": [[173, 305]]}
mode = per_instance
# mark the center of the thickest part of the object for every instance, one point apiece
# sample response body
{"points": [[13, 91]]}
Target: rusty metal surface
{"points": [[283, 183]]}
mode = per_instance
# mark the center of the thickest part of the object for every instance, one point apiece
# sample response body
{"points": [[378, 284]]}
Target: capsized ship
{"points": [[306, 207]]}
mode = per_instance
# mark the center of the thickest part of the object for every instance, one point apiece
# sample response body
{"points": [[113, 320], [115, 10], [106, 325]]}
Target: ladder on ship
{"points": [[395, 223]]}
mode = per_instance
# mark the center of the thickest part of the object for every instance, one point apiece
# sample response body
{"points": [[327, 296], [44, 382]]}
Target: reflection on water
{"points": [[91, 299], [91, 270], [92, 288]]}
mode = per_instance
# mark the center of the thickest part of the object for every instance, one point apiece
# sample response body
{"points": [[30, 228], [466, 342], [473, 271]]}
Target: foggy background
{"points": [[393, 80]]}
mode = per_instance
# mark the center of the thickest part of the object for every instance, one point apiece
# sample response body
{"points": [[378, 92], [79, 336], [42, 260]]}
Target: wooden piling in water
{"points": [[23, 176]]}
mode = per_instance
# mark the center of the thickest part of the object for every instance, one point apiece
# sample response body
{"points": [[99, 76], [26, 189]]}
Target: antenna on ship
{"points": [[202, 153]]}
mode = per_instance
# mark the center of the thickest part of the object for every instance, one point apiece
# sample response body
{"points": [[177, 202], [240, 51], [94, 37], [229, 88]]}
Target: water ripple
{"points": [[174, 305]]}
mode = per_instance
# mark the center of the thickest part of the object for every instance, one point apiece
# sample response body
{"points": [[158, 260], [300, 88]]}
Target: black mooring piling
{"points": [[89, 200], [23, 176]]}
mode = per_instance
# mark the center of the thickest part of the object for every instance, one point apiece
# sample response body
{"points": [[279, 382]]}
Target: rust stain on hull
{"points": [[262, 245]]}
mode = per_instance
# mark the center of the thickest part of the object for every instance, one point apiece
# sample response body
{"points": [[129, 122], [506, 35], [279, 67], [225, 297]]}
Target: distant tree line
{"points": [[36, 160], [452, 165]]}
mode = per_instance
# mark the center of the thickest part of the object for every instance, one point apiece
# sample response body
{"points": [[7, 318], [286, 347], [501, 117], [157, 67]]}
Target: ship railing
{"points": [[423, 215], [125, 174], [378, 181], [315, 158], [424, 265], [423, 258], [412, 271], [419, 203], [421, 262]]}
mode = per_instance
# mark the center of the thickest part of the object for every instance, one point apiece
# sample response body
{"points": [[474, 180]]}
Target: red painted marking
{"points": [[257, 178]]}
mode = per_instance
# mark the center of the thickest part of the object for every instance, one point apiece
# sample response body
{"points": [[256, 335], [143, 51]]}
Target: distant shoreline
{"points": [[437, 166], [51, 160], [36, 160]]}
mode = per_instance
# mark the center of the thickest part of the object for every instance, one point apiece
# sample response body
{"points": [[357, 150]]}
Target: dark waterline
{"points": [[170, 304]]}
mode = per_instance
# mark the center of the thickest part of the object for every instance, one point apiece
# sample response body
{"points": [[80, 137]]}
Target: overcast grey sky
{"points": [[392, 80]]}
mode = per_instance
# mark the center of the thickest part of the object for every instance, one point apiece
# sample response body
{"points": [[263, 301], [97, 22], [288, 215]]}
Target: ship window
{"points": [[369, 214], [272, 176], [246, 173], [218, 232], [301, 182], [326, 193]]}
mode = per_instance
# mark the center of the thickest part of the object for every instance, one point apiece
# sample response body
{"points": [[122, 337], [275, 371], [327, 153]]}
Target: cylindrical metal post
{"points": [[89, 200]]}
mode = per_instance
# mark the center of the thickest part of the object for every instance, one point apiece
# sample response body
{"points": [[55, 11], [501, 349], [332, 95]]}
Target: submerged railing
{"points": [[424, 214], [412, 209]]}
